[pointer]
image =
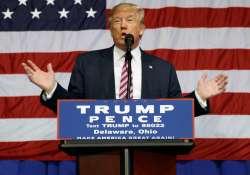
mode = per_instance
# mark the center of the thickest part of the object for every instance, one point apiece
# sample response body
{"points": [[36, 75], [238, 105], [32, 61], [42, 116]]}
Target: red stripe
{"points": [[196, 17], [208, 149], [38, 150], [15, 107], [62, 62], [124, 77], [25, 107], [231, 104], [219, 149], [217, 59], [123, 91]]}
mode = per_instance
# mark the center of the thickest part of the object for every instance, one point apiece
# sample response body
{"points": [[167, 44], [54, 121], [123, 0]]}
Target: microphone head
{"points": [[129, 40]]}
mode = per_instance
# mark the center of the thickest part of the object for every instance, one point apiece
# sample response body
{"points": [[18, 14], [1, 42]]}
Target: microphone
{"points": [[129, 41]]}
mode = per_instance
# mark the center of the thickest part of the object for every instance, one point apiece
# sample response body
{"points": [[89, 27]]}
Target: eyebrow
{"points": [[131, 16]]}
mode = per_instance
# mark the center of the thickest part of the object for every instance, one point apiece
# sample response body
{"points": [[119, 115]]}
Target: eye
{"points": [[116, 20], [131, 19]]}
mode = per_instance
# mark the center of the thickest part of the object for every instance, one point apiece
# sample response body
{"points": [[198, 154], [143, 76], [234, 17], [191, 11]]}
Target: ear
{"points": [[141, 31]]}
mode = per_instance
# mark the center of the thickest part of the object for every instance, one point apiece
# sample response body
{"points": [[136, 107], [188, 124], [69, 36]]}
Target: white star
{"points": [[35, 13], [7, 14], [78, 2], [63, 13], [52, 2], [91, 13], [23, 2]]}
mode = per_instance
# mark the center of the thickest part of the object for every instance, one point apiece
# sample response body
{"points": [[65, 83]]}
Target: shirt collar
{"points": [[136, 53]]}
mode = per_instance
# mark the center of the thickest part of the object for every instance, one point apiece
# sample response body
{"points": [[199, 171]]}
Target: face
{"points": [[126, 20]]}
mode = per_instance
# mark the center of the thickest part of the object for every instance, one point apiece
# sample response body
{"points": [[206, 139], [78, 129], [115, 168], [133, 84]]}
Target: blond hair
{"points": [[139, 10]]}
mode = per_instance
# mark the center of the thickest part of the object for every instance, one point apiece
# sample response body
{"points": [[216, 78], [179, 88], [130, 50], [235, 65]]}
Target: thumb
{"points": [[49, 68]]}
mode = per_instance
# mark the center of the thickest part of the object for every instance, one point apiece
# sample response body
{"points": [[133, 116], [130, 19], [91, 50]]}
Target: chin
{"points": [[121, 46], [122, 43]]}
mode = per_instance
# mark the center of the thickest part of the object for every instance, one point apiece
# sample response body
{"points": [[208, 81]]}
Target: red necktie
{"points": [[124, 82]]}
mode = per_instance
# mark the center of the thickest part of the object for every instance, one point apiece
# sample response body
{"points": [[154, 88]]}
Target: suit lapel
{"points": [[146, 76], [107, 74]]}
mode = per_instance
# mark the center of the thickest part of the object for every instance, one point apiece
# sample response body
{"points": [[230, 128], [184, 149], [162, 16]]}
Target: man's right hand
{"points": [[44, 80]]}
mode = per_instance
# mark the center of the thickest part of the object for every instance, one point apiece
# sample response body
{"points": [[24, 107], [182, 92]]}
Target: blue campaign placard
{"points": [[125, 119]]}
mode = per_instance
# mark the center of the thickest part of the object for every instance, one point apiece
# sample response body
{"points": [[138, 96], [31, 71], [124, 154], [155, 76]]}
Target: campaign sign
{"points": [[125, 119]]}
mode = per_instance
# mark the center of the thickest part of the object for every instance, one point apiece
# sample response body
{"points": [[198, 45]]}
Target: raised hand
{"points": [[44, 80], [208, 88]]}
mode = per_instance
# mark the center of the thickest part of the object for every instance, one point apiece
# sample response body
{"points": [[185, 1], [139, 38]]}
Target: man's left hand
{"points": [[207, 88]]}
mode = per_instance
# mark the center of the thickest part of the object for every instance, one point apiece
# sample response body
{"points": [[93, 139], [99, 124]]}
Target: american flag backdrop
{"points": [[197, 36]]}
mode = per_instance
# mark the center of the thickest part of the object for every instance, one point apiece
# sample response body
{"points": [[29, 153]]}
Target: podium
{"points": [[148, 157], [134, 137]]}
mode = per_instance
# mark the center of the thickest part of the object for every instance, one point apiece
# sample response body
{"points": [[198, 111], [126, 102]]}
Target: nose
{"points": [[124, 24]]}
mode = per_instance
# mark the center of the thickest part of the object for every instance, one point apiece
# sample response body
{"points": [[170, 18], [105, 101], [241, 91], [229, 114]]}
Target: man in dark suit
{"points": [[97, 74]]}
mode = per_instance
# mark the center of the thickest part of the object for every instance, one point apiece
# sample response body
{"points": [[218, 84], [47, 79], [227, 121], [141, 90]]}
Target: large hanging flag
{"points": [[195, 36]]}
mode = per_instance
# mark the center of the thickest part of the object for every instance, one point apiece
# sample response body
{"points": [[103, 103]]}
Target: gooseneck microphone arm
{"points": [[129, 41]]}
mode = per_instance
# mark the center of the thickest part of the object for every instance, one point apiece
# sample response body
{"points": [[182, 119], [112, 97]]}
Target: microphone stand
{"points": [[127, 154]]}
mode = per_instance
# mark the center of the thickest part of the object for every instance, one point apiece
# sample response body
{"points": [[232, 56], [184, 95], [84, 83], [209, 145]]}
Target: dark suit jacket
{"points": [[93, 78]]}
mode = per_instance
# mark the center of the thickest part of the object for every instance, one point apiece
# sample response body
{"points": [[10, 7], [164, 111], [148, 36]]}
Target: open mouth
{"points": [[123, 35]]}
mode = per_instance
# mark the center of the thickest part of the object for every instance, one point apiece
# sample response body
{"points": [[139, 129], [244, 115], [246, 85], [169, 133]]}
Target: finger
{"points": [[221, 90], [224, 84], [222, 80], [218, 77], [28, 69], [222, 76], [49, 68], [33, 65], [204, 76]]}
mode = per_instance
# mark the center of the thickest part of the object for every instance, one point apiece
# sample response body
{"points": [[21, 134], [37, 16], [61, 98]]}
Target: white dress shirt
{"points": [[119, 58]]}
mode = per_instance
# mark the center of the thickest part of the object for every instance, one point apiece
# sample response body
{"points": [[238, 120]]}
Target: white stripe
{"points": [[196, 38], [52, 41], [230, 126], [19, 84], [183, 3], [168, 37], [209, 126], [239, 81], [28, 129]]}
